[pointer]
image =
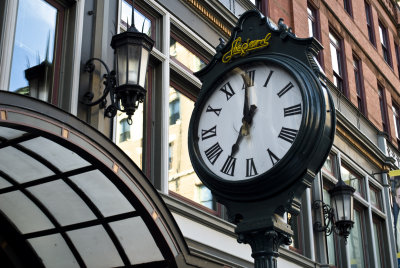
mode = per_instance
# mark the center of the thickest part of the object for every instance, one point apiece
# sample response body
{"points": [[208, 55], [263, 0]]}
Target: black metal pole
{"points": [[265, 244]]}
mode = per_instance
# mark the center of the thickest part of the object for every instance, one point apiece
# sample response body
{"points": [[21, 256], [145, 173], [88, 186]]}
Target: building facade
{"points": [[44, 45]]}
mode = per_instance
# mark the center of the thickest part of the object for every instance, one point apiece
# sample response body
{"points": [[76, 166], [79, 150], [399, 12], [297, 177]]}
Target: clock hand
{"points": [[244, 129], [246, 81]]}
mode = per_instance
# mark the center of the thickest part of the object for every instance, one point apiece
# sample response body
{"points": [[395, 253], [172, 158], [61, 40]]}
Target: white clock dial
{"points": [[239, 140]]}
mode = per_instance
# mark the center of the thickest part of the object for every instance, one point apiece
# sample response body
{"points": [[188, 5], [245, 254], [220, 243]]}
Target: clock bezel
{"points": [[299, 156]]}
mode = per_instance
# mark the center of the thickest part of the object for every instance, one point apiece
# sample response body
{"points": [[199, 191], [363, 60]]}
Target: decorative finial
{"points": [[132, 28]]}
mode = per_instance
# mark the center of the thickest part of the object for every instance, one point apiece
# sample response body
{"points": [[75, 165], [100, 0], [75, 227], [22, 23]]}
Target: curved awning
{"points": [[70, 198]]}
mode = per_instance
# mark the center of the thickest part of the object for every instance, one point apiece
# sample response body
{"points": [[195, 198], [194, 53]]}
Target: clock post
{"points": [[259, 159]]}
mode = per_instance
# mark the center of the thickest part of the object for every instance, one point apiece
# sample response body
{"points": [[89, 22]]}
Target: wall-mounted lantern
{"points": [[339, 217], [126, 84]]}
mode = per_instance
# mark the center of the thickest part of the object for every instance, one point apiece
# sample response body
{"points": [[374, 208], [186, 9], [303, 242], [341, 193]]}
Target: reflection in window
{"points": [[184, 56], [356, 245], [351, 178], [205, 197], [374, 195], [33, 58], [142, 23], [379, 243], [125, 130], [130, 137], [329, 164], [174, 107], [182, 179]]}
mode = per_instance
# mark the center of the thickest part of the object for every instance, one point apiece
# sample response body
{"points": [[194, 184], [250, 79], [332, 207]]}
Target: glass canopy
{"points": [[70, 200]]}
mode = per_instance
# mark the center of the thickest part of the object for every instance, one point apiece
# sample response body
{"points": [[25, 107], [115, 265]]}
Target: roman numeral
{"points": [[250, 168], [211, 109], [288, 134], [269, 77], [229, 166], [227, 89], [273, 157], [292, 110], [208, 133], [213, 153], [285, 89]]}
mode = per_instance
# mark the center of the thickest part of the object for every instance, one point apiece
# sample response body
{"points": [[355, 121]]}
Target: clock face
{"points": [[249, 121]]}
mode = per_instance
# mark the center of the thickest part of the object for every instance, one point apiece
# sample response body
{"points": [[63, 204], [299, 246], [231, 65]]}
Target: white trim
{"points": [[76, 64], [165, 104], [7, 42]]}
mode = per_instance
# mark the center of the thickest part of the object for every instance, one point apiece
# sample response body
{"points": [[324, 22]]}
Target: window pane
{"points": [[330, 239], [182, 178], [130, 137], [183, 55], [142, 23], [357, 258], [378, 242], [352, 179], [33, 53]]}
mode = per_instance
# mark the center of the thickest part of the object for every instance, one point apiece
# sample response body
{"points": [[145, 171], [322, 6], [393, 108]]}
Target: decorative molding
{"points": [[209, 16], [341, 131]]}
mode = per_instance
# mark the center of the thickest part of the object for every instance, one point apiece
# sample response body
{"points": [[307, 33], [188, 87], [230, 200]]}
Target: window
{"points": [[396, 119], [329, 164], [383, 107], [359, 84], [181, 176], [125, 130], [347, 7], [331, 241], [379, 246], [35, 66], [337, 55], [357, 241], [375, 197], [370, 24], [383, 34], [353, 179], [313, 26], [181, 53], [397, 50]]}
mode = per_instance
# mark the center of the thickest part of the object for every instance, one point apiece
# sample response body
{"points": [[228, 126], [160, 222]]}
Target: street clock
{"points": [[262, 127]]}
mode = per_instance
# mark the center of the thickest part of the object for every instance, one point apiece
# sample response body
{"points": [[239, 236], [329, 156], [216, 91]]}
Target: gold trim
{"points": [[357, 145], [3, 115], [65, 133], [115, 168], [209, 16], [154, 215]]}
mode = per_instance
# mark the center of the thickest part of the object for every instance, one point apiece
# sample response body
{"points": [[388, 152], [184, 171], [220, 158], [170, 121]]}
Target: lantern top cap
{"points": [[341, 187]]}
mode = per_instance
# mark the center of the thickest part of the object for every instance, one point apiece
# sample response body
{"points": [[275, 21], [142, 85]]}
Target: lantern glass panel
{"points": [[339, 207], [133, 64], [143, 66], [347, 204], [122, 56]]}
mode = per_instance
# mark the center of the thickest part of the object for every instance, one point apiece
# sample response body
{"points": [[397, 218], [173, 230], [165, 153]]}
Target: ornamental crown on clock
{"points": [[249, 122]]}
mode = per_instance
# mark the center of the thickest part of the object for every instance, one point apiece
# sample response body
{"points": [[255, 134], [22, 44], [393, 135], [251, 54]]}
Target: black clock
{"points": [[259, 125]]}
